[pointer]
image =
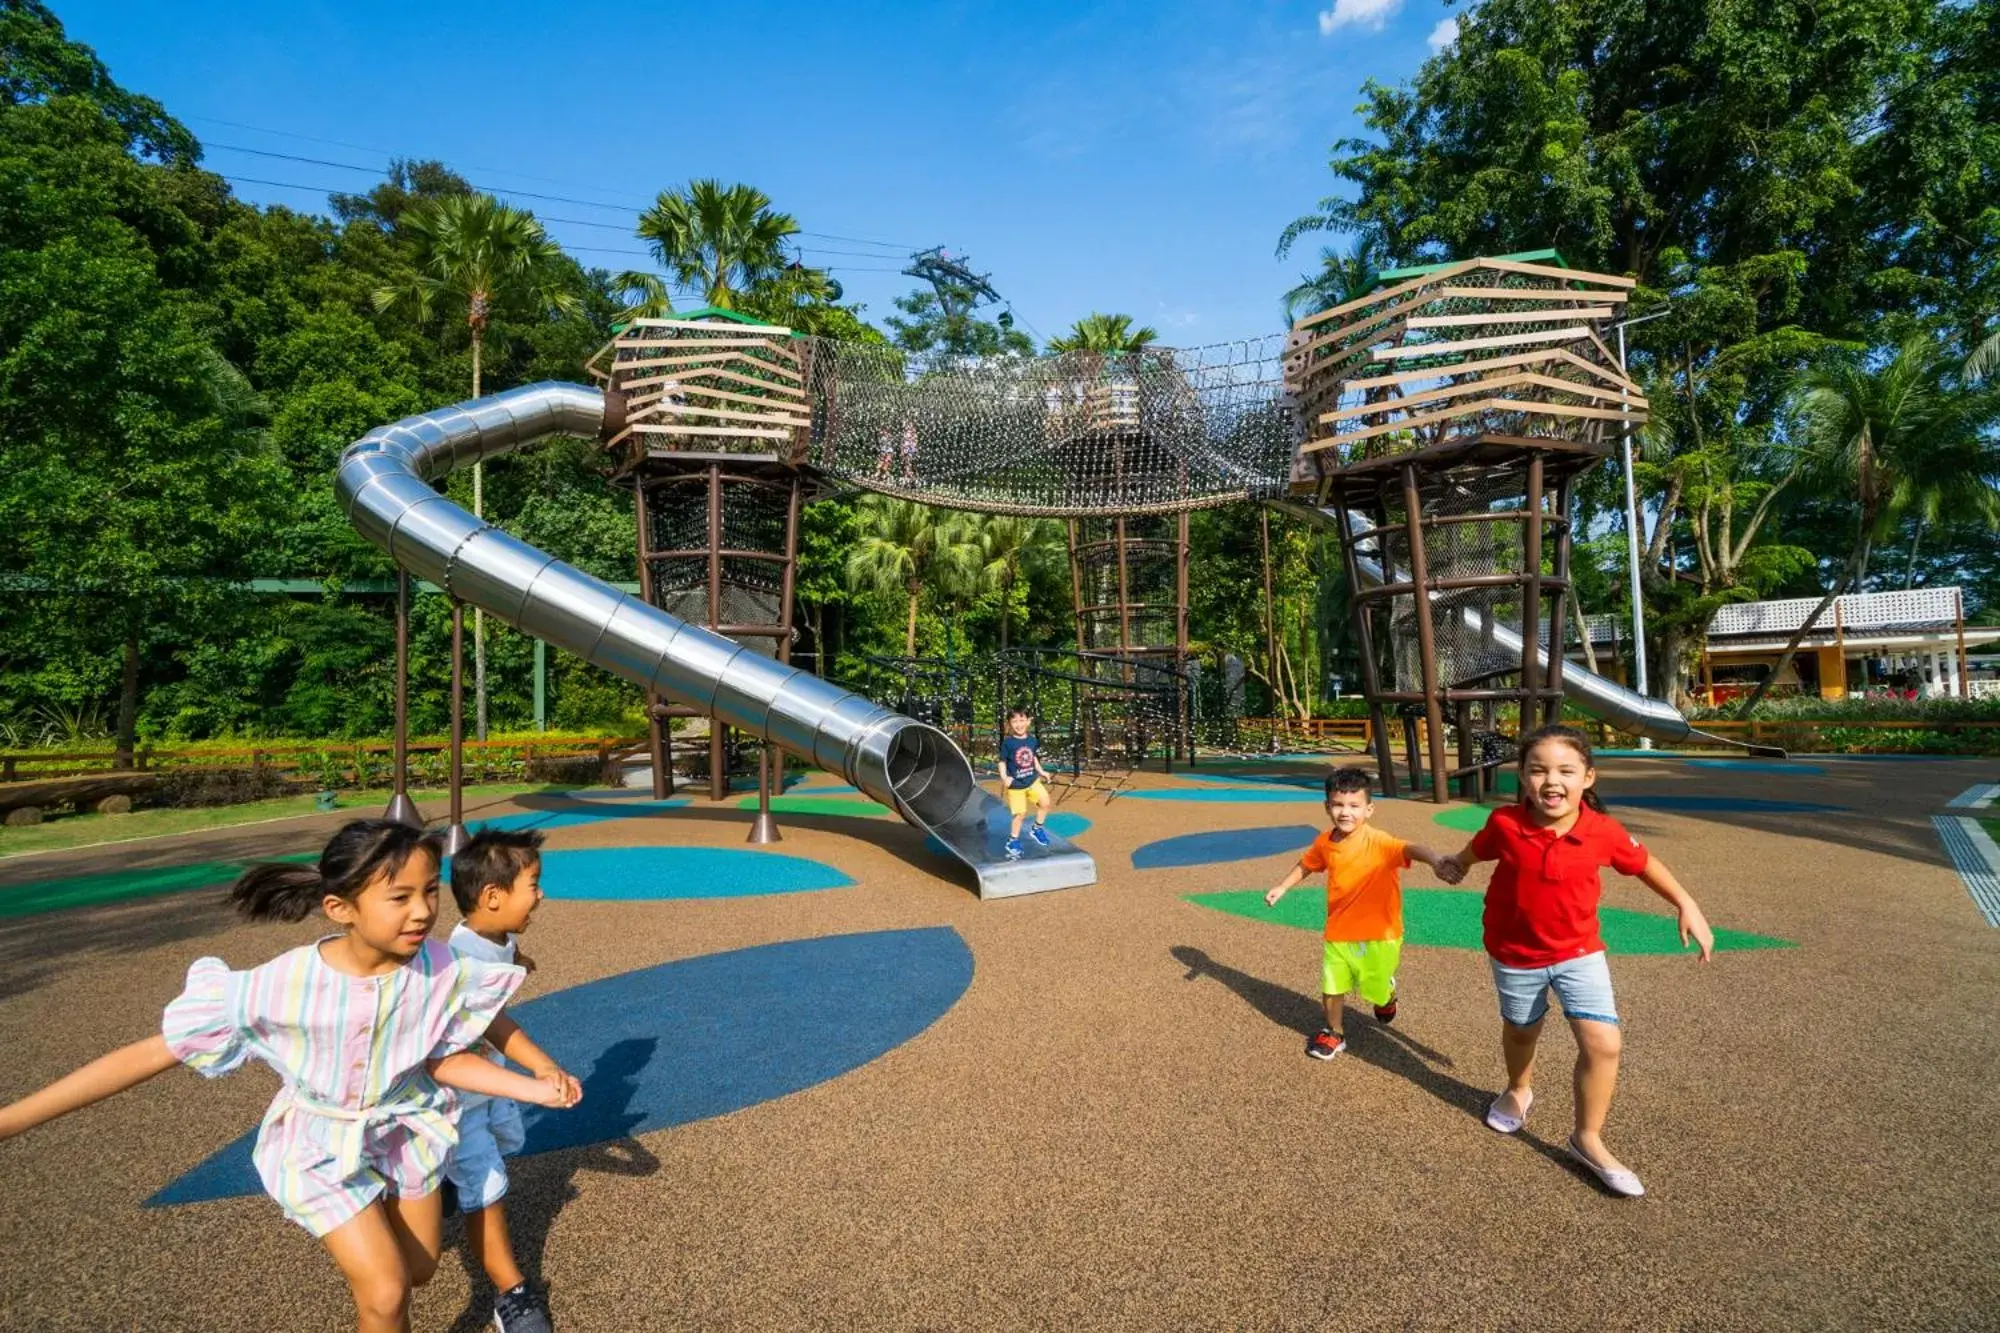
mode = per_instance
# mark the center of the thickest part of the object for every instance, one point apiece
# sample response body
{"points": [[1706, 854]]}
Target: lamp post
{"points": [[1632, 525]]}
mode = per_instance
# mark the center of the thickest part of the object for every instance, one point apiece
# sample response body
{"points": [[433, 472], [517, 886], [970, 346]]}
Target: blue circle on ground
{"points": [[1721, 805], [1201, 849], [1757, 766], [645, 873], [701, 1037]]}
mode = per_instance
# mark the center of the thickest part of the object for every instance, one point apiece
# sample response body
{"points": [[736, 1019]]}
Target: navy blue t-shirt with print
{"points": [[1017, 761]]}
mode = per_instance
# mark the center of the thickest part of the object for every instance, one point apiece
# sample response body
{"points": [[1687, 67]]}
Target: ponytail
{"points": [[1564, 735], [358, 854]]}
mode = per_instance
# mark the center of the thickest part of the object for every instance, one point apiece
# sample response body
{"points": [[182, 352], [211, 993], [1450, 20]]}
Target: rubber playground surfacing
{"points": [[860, 1098]]}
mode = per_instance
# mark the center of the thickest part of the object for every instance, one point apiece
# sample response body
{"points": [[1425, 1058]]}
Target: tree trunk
{"points": [[1910, 570], [128, 701], [910, 631], [1856, 569], [478, 616]]}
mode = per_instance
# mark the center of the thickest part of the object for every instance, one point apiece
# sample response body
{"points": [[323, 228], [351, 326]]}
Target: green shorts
{"points": [[1368, 966]]}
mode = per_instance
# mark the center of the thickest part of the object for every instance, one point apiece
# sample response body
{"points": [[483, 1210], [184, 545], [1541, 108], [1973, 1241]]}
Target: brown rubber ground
{"points": [[1116, 1128]]}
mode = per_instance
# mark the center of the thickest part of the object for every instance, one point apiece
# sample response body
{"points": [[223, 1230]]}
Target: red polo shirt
{"points": [[1541, 907]]}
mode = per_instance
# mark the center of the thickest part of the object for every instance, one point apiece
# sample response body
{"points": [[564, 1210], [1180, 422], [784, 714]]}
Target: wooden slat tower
{"points": [[1451, 411], [706, 415]]}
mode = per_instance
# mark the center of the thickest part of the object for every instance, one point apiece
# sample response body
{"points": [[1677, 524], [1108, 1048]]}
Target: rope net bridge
{"points": [[1077, 434]]}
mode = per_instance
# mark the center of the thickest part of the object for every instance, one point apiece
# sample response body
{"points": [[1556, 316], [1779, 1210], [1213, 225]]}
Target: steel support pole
{"points": [[1531, 604], [1632, 538], [1413, 519], [718, 748], [1552, 706], [455, 836], [401, 808], [1364, 616]]}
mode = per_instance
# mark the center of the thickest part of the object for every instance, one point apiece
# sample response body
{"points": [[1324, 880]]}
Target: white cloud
{"points": [[1444, 34], [1373, 15]]}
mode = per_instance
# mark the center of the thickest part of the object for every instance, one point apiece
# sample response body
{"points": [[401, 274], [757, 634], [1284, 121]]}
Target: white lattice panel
{"points": [[1858, 611]]}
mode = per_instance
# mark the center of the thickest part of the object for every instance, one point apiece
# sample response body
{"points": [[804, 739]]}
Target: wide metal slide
{"points": [[385, 487]]}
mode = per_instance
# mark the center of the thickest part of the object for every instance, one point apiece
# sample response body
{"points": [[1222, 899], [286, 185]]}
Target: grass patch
{"points": [[1991, 824], [91, 830]]}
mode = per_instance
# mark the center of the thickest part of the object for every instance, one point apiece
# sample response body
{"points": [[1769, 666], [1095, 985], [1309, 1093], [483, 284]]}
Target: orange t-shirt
{"points": [[1364, 889]]}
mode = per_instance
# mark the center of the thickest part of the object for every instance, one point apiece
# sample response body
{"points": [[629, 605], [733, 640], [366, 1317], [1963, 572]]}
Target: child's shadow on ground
{"points": [[541, 1185], [1380, 1045]]}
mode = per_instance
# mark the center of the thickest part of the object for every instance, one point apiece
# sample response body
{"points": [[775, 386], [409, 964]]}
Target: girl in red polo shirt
{"points": [[1541, 933]]}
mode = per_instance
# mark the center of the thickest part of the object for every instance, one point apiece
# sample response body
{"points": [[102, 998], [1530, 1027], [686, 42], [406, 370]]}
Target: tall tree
{"points": [[905, 548], [476, 253], [1342, 277], [1104, 333], [1907, 436], [1011, 547], [925, 325], [725, 241]]}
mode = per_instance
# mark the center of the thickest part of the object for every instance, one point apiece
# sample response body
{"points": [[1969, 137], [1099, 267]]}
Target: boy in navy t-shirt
{"points": [[1021, 769]]}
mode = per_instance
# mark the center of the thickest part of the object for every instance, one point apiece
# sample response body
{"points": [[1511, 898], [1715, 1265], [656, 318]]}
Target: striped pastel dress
{"points": [[359, 1112]]}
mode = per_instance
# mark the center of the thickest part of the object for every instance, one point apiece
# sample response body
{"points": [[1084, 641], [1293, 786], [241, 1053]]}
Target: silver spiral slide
{"points": [[384, 485]]}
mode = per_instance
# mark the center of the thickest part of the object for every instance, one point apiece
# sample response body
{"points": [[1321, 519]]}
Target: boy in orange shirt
{"points": [[1364, 904]]}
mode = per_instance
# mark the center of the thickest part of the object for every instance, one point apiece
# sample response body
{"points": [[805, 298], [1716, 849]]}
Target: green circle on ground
{"points": [[1465, 818], [1450, 919]]}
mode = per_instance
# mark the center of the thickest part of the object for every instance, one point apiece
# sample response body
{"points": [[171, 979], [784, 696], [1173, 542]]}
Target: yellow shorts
{"points": [[1019, 798], [1368, 966]]}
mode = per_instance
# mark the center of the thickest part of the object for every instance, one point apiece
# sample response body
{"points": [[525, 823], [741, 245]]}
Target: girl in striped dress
{"points": [[371, 1030]]}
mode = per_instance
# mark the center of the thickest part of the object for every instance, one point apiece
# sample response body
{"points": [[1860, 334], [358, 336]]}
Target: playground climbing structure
{"points": [[1453, 412]]}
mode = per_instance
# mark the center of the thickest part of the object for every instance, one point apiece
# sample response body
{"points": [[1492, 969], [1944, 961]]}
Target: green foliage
{"points": [[926, 325], [1104, 333]]}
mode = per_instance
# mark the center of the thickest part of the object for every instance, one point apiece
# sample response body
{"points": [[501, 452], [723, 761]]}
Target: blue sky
{"points": [[1135, 157]]}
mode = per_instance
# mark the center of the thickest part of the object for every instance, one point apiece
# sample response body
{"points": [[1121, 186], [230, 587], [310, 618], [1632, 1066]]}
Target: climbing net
{"points": [[1470, 546], [1156, 430]]}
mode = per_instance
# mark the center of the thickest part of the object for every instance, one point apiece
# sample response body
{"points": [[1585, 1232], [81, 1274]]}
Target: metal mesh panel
{"points": [[1150, 592], [1481, 547], [1156, 430]]}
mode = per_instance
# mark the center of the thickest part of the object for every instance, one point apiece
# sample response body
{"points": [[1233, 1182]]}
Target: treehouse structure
{"points": [[1451, 411]]}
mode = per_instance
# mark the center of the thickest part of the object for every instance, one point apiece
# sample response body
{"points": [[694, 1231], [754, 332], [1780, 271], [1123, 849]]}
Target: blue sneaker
{"points": [[1013, 849], [1039, 834]]}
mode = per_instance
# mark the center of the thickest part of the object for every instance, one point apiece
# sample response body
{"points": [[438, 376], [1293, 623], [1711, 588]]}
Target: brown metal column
{"points": [[455, 836], [1552, 707], [718, 774], [1124, 597], [770, 759], [1185, 713], [1426, 636], [1531, 599], [1076, 582], [657, 727], [1270, 629], [1364, 617], [401, 808]]}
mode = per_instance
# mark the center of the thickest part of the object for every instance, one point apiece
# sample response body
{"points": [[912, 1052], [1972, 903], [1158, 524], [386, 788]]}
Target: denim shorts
{"points": [[487, 1131], [1582, 985]]}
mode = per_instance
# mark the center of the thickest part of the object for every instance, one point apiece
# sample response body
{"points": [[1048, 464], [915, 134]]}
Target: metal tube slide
{"points": [[1606, 700], [384, 485]]}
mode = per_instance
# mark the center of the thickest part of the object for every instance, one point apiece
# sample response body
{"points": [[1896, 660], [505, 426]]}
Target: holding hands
{"points": [[559, 1088]]}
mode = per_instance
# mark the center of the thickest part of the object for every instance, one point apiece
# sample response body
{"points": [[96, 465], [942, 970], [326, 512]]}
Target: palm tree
{"points": [[1010, 546], [472, 250], [905, 547], [1908, 436], [646, 296], [721, 239], [1341, 278], [1104, 333]]}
